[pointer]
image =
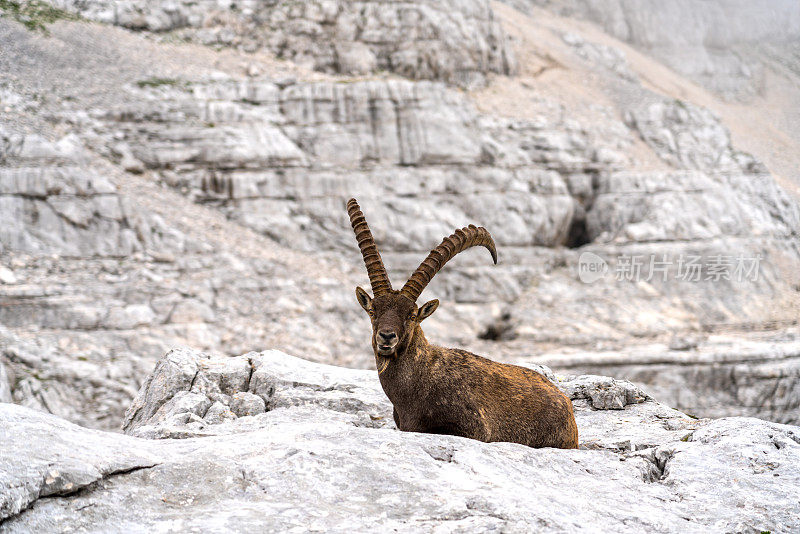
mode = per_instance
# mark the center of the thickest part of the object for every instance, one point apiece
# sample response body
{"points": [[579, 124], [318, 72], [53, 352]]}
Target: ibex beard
{"points": [[452, 391]]}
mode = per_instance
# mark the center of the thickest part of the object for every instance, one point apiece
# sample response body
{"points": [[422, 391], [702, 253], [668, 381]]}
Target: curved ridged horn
{"points": [[459, 241], [372, 258]]}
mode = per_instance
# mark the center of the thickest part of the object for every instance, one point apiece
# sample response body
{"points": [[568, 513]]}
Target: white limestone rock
{"points": [[456, 41], [690, 137], [7, 275], [85, 386], [51, 202], [644, 467], [247, 404], [5, 386], [128, 317], [720, 377], [722, 44]]}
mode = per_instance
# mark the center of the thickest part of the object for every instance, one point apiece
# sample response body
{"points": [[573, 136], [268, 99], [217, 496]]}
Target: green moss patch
{"points": [[33, 14]]}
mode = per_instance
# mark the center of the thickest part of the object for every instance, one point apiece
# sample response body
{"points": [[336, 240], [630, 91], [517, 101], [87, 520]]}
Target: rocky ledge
{"points": [[275, 443]]}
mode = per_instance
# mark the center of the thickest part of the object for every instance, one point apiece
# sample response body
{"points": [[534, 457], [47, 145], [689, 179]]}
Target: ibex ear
{"points": [[427, 309], [364, 299]]}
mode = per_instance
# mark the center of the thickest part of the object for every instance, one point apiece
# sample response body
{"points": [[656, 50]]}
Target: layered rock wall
{"points": [[52, 203]]}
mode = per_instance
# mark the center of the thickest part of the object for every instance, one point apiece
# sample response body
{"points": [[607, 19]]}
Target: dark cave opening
{"points": [[499, 330], [578, 234]]}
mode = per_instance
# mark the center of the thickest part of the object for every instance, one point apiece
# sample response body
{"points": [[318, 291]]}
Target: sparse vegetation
{"points": [[158, 82], [33, 14]]}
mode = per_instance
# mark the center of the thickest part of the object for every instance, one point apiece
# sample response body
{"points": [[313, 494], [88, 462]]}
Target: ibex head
{"points": [[394, 314]]}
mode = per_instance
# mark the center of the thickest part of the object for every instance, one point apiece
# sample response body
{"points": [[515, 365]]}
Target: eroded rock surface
{"points": [[719, 377], [724, 45], [178, 396], [687, 136], [457, 41], [320, 457], [50, 201]]}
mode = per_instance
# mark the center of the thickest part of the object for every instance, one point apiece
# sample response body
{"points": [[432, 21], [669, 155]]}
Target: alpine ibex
{"points": [[451, 391]]}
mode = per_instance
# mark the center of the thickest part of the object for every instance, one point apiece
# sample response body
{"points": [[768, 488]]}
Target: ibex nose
{"points": [[386, 338]]}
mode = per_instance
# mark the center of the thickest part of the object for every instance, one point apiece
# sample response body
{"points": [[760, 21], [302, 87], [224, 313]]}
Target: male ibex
{"points": [[451, 391]]}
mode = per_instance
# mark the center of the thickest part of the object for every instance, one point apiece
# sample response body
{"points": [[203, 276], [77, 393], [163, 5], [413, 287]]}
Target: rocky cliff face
{"points": [[98, 283], [282, 160], [53, 204], [274, 443], [158, 194], [741, 51], [456, 41]]}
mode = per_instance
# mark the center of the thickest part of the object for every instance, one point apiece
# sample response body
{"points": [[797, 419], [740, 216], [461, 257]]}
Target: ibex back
{"points": [[452, 391]]}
